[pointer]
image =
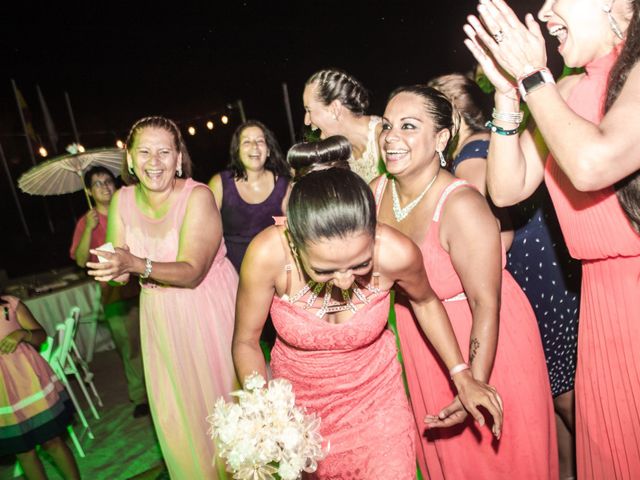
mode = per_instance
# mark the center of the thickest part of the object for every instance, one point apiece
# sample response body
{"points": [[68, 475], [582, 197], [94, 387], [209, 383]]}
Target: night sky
{"points": [[120, 62]]}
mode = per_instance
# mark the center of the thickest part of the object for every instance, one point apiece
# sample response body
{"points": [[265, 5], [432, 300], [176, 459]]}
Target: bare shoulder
{"points": [[463, 205], [396, 251], [201, 193], [215, 182], [266, 251]]}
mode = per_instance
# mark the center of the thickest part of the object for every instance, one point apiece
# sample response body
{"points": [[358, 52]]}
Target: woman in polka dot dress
{"points": [[538, 258]]}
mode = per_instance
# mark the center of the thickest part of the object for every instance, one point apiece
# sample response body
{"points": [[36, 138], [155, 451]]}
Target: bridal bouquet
{"points": [[265, 436]]}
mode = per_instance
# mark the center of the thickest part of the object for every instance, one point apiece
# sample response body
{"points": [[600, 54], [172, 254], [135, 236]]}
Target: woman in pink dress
{"points": [[325, 275], [167, 230], [584, 145], [459, 238]]}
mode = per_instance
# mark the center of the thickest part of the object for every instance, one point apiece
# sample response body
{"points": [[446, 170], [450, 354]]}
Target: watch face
{"points": [[532, 81]]}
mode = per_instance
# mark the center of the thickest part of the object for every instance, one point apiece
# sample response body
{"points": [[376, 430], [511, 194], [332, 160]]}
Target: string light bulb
{"points": [[224, 119], [210, 125], [119, 143], [80, 148], [191, 130], [43, 152]]}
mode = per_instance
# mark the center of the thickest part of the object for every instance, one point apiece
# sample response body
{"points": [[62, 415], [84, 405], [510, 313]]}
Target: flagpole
{"points": [[51, 129], [73, 119], [24, 123], [287, 108], [31, 154], [14, 193]]}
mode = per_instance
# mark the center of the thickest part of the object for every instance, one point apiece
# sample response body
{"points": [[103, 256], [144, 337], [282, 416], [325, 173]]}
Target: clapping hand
{"points": [[505, 47], [116, 268]]}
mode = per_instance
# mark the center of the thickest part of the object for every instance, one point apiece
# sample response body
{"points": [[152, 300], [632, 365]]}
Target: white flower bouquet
{"points": [[265, 436]]}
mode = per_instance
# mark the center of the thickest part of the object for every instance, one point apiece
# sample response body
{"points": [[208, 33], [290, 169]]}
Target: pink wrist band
{"points": [[458, 368]]}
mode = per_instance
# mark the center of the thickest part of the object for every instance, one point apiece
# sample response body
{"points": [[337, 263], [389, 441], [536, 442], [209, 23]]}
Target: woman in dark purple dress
{"points": [[253, 189]]}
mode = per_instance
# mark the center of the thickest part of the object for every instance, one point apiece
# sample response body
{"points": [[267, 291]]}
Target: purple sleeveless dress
{"points": [[241, 221]]}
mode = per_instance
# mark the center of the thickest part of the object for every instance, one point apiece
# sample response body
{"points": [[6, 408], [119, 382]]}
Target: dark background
{"points": [[120, 61]]}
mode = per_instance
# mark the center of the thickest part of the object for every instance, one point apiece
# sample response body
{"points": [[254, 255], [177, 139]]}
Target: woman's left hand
{"points": [[9, 343], [471, 395], [518, 48], [116, 268]]}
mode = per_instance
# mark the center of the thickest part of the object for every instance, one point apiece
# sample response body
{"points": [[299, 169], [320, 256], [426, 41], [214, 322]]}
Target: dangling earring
{"points": [[179, 170], [615, 28], [130, 170], [443, 161]]}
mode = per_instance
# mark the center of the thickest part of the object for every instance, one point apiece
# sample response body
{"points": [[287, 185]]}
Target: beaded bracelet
{"points": [[509, 117], [500, 130]]}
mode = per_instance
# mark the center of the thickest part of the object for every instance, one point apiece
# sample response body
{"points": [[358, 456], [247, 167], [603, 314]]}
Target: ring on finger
{"points": [[498, 36]]}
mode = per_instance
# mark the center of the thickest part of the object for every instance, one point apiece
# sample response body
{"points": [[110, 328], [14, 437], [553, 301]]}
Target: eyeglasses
{"points": [[101, 183]]}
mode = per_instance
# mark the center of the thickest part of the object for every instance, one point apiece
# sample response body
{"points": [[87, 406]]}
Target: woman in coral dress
{"points": [[325, 276], [592, 177], [460, 244], [167, 230]]}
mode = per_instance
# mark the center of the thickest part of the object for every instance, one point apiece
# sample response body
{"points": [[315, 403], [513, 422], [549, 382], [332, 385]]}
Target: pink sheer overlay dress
{"points": [[598, 233], [349, 375], [186, 339], [527, 447]]}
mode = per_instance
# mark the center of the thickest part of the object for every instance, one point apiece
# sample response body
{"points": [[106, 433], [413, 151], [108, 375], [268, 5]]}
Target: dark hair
{"points": [[98, 170], [335, 84], [330, 203], [627, 189], [165, 124], [275, 161], [472, 104], [333, 151], [438, 107]]}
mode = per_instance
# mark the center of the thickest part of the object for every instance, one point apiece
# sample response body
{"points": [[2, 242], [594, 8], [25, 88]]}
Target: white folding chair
{"points": [[67, 354], [59, 359], [87, 374]]}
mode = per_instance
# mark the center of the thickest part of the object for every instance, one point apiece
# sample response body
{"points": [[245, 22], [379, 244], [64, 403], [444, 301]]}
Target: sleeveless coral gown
{"points": [[527, 447], [349, 375], [186, 340], [597, 232]]}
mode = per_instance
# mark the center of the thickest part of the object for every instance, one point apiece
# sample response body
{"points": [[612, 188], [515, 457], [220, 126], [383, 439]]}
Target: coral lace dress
{"points": [[349, 375]]}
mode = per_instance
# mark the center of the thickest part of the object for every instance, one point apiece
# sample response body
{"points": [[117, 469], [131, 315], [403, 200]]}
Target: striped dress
{"points": [[34, 406]]}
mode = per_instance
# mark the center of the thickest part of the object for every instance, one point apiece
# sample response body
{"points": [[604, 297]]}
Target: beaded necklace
{"points": [[401, 212]]}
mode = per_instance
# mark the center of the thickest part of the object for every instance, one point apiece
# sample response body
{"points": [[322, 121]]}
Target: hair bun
{"points": [[332, 152]]}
